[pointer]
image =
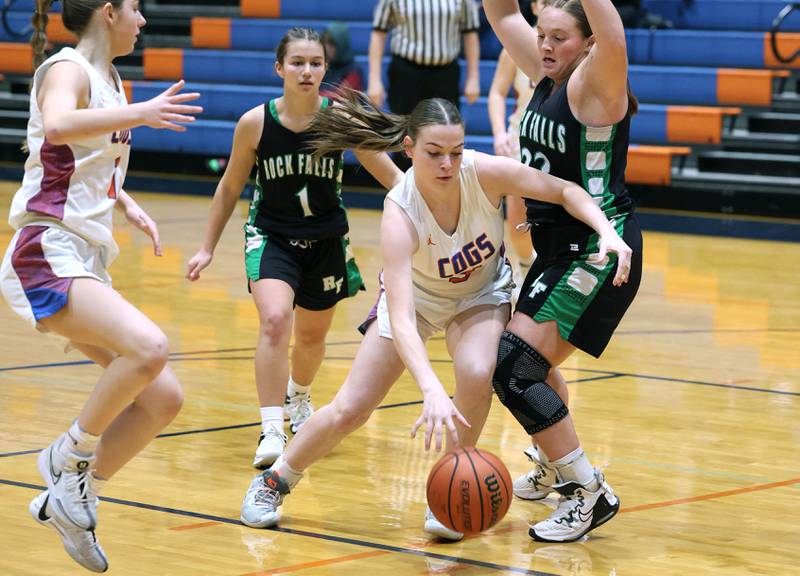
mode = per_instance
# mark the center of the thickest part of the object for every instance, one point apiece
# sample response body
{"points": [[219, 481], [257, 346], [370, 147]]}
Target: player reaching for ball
{"points": [[444, 270]]}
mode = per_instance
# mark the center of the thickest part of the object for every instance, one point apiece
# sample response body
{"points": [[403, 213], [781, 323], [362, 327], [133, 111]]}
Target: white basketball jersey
{"points": [[469, 260], [76, 185]]}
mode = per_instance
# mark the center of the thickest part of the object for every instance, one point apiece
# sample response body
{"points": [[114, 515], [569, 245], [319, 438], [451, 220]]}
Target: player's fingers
{"points": [[185, 97], [171, 126], [428, 434], [175, 88], [438, 430], [171, 117], [451, 428], [416, 426], [460, 418]]}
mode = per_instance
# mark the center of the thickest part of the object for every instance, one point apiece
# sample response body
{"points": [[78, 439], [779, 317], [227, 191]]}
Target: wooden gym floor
{"points": [[692, 412]]}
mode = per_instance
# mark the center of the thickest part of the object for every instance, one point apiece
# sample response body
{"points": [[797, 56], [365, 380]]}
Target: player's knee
{"points": [[519, 382], [517, 361], [151, 353], [275, 325], [170, 400], [476, 372], [310, 338], [474, 381], [349, 416]]}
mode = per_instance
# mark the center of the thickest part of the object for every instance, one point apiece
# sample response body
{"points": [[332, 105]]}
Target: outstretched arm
{"points": [[229, 189], [375, 88], [600, 83], [399, 242], [516, 35], [380, 165], [501, 83], [511, 178], [64, 97]]}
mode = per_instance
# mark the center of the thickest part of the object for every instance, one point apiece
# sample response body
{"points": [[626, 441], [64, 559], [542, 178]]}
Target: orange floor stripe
{"points": [[193, 526], [317, 563], [711, 496]]}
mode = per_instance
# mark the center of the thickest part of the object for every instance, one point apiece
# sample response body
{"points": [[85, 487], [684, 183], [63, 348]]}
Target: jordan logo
{"points": [[430, 241]]}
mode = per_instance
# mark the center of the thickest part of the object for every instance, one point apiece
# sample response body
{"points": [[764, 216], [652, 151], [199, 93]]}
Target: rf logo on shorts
{"points": [[332, 283], [538, 286]]}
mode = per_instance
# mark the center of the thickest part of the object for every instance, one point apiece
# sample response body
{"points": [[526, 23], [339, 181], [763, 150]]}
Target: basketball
{"points": [[469, 490]]}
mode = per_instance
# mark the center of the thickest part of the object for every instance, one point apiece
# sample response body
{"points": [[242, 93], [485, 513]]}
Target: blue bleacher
{"points": [[18, 22], [751, 15], [223, 105], [680, 85], [696, 48], [350, 10]]}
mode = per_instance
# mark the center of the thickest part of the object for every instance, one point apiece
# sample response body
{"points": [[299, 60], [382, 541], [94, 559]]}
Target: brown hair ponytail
{"points": [[354, 122], [39, 39]]}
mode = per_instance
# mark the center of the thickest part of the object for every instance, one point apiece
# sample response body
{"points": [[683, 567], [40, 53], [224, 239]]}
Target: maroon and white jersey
{"points": [[74, 186], [469, 260]]}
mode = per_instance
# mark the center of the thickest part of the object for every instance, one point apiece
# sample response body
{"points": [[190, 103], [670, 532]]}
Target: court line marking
{"points": [[711, 496], [348, 558], [293, 531], [384, 548], [181, 357], [254, 424], [318, 563]]}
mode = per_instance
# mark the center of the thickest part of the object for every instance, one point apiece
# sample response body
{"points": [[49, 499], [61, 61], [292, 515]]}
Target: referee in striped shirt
{"points": [[425, 44]]}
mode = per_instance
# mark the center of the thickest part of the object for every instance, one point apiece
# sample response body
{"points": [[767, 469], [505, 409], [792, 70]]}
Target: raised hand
{"points": [[168, 109]]}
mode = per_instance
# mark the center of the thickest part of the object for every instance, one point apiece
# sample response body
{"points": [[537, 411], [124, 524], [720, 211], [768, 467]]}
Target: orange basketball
{"points": [[469, 490]]}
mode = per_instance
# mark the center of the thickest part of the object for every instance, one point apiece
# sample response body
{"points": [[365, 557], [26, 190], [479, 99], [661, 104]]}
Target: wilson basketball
{"points": [[469, 490]]}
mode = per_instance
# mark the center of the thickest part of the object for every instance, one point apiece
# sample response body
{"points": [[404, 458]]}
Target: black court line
{"points": [[20, 453], [687, 381], [49, 365], [254, 424], [305, 533]]}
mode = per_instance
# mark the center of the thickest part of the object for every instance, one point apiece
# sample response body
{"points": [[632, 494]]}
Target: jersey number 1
{"points": [[303, 196]]}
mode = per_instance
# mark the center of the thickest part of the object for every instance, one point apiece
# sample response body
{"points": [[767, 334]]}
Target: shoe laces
{"points": [[300, 406], [81, 484], [266, 496], [567, 511], [538, 474], [273, 433]]}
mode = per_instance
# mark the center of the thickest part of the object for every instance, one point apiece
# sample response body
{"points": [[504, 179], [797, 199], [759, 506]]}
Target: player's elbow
{"points": [[55, 134]]}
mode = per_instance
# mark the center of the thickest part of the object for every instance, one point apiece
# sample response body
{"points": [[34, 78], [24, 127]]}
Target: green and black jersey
{"points": [[552, 140], [296, 196]]}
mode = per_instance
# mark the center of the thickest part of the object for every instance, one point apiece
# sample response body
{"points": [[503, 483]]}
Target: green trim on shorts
{"points": [[605, 200], [566, 304], [354, 280], [254, 243]]}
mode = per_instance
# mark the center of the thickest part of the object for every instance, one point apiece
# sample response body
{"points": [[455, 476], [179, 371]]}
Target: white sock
{"points": [[575, 467], [286, 472], [79, 441], [272, 416], [294, 388], [542, 456]]}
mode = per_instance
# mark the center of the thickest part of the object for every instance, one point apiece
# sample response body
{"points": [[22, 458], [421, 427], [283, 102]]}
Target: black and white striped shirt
{"points": [[427, 32]]}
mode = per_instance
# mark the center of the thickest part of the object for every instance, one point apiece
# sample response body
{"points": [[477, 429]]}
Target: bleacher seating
{"points": [[722, 14], [706, 87]]}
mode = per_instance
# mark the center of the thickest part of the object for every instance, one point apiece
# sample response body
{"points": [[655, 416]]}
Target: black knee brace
{"points": [[519, 382]]}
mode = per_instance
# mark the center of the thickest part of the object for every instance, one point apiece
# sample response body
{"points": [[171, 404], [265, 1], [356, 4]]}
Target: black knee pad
{"points": [[519, 382]]}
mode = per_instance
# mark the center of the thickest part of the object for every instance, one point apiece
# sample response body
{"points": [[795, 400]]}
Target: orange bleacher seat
{"points": [[652, 164]]}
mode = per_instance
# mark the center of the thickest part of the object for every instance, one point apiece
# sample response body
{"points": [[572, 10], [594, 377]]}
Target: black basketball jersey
{"points": [[296, 196], [552, 140]]}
